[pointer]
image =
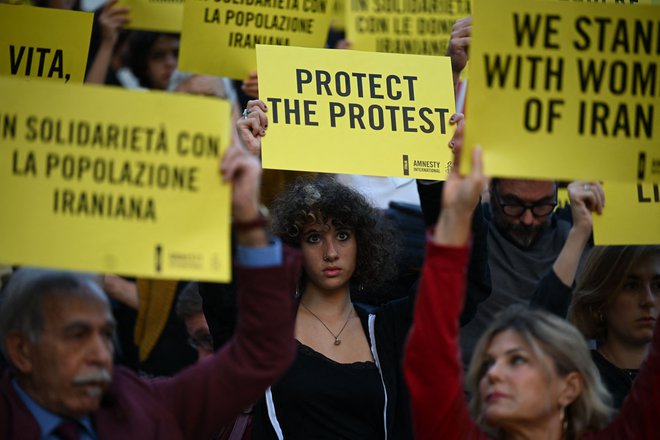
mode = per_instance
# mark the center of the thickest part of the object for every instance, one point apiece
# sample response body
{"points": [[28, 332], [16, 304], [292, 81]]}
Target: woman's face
{"points": [[329, 255], [517, 389], [632, 315], [162, 61]]}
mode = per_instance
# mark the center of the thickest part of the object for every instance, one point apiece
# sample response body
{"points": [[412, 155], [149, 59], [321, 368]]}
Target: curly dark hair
{"points": [[306, 202]]}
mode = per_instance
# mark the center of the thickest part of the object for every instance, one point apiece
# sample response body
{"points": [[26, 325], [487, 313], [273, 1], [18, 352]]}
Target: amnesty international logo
{"points": [[641, 165], [159, 257], [425, 166]]}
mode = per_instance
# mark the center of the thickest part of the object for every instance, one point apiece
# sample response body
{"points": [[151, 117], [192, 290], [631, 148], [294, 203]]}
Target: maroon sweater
{"points": [[434, 373], [197, 402]]}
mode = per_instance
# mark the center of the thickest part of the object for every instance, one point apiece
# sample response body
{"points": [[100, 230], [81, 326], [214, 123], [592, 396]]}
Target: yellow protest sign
{"points": [[105, 179], [631, 214], [218, 38], [402, 26], [155, 15], [44, 43], [339, 15], [565, 90], [563, 199], [628, 2], [344, 111]]}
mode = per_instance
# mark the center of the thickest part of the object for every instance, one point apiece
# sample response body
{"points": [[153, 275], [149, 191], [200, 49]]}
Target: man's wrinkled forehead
{"points": [[525, 189], [72, 306]]}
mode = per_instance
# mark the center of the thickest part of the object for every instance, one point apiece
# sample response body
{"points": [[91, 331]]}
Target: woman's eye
{"points": [[518, 360], [343, 235], [655, 287], [313, 238], [630, 285], [76, 335]]}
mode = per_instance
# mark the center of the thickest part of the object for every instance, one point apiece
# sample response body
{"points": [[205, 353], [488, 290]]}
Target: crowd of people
{"points": [[361, 308]]}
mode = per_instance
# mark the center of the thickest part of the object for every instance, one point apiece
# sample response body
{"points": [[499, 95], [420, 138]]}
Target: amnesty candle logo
{"points": [[641, 165], [406, 165], [159, 258]]}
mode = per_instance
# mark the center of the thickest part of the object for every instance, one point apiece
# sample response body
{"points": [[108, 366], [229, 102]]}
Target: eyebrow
{"points": [[509, 351], [82, 325], [511, 197]]}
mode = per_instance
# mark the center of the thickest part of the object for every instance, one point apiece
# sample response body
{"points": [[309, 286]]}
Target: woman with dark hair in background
{"points": [[153, 58]]}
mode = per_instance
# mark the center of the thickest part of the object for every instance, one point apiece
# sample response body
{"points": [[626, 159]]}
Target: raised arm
{"points": [[208, 395], [459, 43], [112, 19], [430, 194], [252, 126], [432, 365], [554, 291]]}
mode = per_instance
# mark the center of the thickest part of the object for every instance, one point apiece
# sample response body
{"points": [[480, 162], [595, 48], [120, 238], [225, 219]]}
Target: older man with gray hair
{"points": [[57, 330]]}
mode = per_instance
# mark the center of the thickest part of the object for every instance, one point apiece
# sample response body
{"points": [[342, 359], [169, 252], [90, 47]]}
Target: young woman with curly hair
{"points": [[346, 381]]}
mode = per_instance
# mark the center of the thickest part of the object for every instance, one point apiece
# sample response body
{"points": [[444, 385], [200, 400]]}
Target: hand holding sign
{"points": [[252, 126], [585, 198], [112, 19], [243, 170], [459, 43]]}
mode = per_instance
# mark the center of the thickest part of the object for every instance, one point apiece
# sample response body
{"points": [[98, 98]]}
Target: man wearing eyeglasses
{"points": [[521, 208], [531, 247]]}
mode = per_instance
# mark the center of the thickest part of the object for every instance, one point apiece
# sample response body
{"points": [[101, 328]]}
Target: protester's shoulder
{"points": [[390, 319], [388, 308], [395, 307]]}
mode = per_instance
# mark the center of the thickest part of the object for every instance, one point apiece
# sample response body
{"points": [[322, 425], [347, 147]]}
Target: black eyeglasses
{"points": [[517, 209]]}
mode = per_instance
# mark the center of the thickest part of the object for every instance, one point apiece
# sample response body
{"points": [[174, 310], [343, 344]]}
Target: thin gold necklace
{"points": [[336, 336]]}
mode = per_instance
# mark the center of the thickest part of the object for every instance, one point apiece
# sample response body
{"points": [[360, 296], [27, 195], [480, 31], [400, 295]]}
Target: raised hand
{"points": [[252, 126]]}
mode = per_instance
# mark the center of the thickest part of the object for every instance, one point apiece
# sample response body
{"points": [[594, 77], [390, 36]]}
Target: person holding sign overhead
{"points": [[531, 248], [531, 375], [56, 330], [111, 21]]}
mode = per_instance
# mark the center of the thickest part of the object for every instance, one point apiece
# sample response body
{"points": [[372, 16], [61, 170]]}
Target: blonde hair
{"points": [[560, 341]]}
